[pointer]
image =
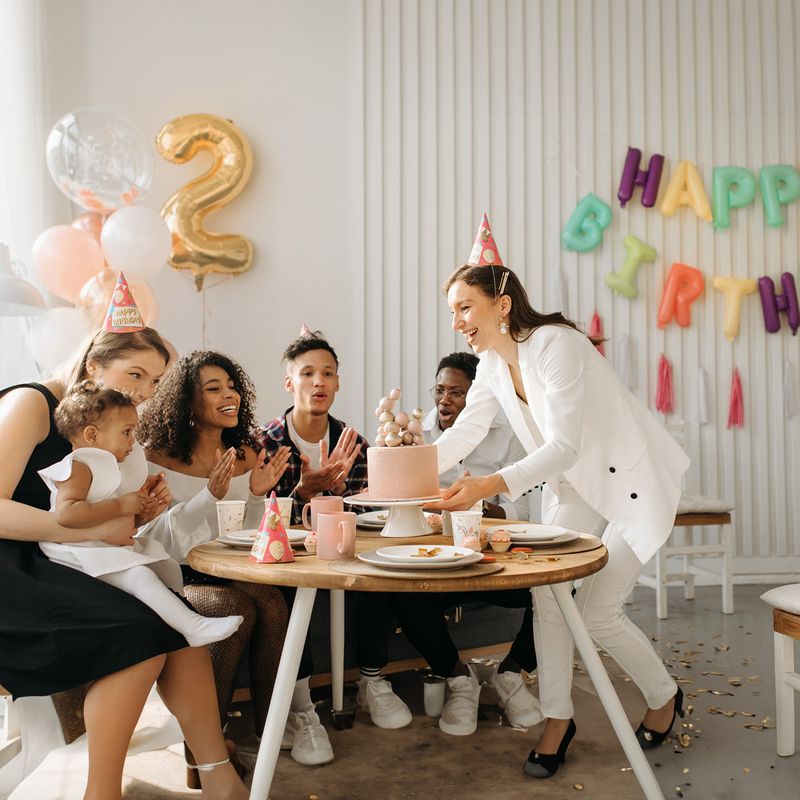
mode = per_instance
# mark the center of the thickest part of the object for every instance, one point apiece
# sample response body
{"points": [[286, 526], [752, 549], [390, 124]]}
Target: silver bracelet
{"points": [[209, 766]]}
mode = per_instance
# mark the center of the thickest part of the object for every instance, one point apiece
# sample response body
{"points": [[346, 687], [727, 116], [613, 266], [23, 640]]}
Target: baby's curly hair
{"points": [[85, 404], [167, 424]]}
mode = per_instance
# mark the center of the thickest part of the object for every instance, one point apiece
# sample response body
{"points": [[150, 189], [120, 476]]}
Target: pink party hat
{"points": [[123, 314], [484, 251], [272, 545], [306, 331]]}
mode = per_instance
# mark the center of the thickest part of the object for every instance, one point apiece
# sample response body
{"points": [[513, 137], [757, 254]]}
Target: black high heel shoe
{"points": [[648, 740], [545, 765]]}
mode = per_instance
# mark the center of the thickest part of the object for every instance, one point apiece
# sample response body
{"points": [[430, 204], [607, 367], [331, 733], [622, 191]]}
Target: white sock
{"points": [[145, 585], [301, 696]]}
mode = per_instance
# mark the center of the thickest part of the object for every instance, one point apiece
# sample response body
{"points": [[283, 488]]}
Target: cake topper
{"points": [[397, 429]]}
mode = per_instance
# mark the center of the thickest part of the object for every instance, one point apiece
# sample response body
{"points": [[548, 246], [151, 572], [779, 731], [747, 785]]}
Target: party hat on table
{"points": [[272, 545], [123, 314], [484, 251]]}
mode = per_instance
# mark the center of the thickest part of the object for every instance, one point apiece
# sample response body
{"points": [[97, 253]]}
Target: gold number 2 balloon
{"points": [[193, 247]]}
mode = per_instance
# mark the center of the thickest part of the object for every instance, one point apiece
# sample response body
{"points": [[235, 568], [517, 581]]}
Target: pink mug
{"points": [[324, 504], [336, 535]]}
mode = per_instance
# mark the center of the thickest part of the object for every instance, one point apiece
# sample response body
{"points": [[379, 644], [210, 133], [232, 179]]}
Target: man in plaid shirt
{"points": [[328, 458]]}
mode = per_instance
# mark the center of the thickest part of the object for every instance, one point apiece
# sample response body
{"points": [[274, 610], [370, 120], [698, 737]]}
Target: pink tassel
{"points": [[736, 408], [665, 399], [596, 332]]}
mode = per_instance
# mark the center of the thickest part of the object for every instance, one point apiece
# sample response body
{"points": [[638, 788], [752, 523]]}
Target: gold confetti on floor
{"points": [[578, 787]]}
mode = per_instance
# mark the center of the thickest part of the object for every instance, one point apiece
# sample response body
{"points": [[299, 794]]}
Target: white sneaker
{"points": [[307, 737], [385, 708], [460, 712], [520, 706]]}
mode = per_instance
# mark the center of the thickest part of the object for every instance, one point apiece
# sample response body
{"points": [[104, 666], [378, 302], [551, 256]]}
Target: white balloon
{"points": [[55, 335], [136, 240]]}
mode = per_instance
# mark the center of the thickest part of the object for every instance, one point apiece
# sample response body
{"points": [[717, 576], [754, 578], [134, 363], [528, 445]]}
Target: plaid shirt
{"points": [[276, 435]]}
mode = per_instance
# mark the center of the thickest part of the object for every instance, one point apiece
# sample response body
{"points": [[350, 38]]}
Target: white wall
{"points": [[381, 131]]}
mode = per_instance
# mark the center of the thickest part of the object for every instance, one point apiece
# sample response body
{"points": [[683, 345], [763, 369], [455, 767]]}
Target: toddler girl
{"points": [[103, 478]]}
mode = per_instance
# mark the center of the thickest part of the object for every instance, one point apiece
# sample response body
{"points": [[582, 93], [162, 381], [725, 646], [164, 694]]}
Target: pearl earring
{"points": [[503, 327]]}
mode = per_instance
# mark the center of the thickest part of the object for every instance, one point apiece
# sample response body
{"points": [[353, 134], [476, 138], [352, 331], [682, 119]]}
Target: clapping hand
{"points": [[219, 477], [314, 481], [346, 452], [157, 492], [266, 473]]}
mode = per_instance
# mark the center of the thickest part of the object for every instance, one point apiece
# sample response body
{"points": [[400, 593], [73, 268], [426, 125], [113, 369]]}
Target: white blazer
{"points": [[583, 424]]}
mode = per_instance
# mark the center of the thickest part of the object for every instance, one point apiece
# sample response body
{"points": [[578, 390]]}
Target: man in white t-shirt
{"points": [[328, 457]]}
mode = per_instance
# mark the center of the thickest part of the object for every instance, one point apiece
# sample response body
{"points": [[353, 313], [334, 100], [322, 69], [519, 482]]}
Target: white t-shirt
{"points": [[310, 449]]}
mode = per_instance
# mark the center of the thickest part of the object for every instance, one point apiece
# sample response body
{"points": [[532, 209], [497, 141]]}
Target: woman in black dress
{"points": [[61, 629]]}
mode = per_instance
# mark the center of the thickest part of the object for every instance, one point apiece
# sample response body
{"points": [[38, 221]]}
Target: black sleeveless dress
{"points": [[60, 628]]}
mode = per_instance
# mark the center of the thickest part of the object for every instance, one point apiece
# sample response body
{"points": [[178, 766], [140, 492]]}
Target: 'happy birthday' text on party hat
{"points": [[484, 251], [123, 314]]}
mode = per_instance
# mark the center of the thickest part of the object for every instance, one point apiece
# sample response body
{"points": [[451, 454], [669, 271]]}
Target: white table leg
{"points": [[337, 649], [278, 712], [605, 691]]}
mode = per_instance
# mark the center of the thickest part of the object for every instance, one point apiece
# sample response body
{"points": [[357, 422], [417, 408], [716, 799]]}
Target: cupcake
{"points": [[500, 541], [484, 536], [310, 542], [434, 520], [472, 541]]}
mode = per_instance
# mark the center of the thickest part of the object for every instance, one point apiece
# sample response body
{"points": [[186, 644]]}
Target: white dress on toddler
{"points": [[145, 569]]}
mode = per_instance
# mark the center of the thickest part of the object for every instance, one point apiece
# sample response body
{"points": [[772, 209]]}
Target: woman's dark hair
{"points": [[107, 346], [523, 319], [313, 340], [84, 405], [465, 362], [167, 424]]}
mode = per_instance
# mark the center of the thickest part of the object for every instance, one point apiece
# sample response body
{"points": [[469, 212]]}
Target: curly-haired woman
{"points": [[197, 430]]}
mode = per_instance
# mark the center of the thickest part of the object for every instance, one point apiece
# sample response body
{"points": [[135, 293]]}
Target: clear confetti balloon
{"points": [[100, 160]]}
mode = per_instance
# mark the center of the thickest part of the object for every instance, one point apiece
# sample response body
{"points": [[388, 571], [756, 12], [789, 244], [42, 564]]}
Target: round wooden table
{"points": [[308, 573]]}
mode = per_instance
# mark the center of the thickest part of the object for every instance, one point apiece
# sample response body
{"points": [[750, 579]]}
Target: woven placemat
{"points": [[367, 570], [582, 544]]}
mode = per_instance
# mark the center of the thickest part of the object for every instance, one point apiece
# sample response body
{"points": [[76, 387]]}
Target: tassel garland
{"points": [[665, 399], [736, 408], [596, 332], [624, 361]]}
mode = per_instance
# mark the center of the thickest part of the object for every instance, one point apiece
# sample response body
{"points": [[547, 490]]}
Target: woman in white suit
{"points": [[607, 464]]}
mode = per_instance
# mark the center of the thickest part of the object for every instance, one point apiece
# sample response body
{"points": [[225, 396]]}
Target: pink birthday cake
{"points": [[401, 466]]}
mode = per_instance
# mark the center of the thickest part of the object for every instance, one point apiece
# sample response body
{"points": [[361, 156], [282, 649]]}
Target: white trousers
{"points": [[600, 601]]}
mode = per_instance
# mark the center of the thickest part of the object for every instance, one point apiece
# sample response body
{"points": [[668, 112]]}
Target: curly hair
{"points": [[84, 405], [167, 423], [465, 362]]}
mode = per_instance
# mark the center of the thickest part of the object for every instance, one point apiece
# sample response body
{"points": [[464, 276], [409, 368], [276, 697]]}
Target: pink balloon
{"points": [[64, 258], [95, 298], [91, 223]]}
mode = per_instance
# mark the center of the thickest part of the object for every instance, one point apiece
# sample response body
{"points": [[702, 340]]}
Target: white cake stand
{"points": [[406, 517]]}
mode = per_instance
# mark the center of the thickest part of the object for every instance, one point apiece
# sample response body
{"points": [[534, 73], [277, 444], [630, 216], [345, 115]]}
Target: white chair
{"points": [[785, 601], [694, 512]]}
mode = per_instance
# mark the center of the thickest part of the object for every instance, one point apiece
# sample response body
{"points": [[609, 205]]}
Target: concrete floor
{"points": [[723, 759]]}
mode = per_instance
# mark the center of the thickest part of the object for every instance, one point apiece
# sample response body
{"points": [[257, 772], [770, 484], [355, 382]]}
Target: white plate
{"points": [[246, 538], [372, 519], [372, 557], [563, 539], [531, 532], [407, 553]]}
